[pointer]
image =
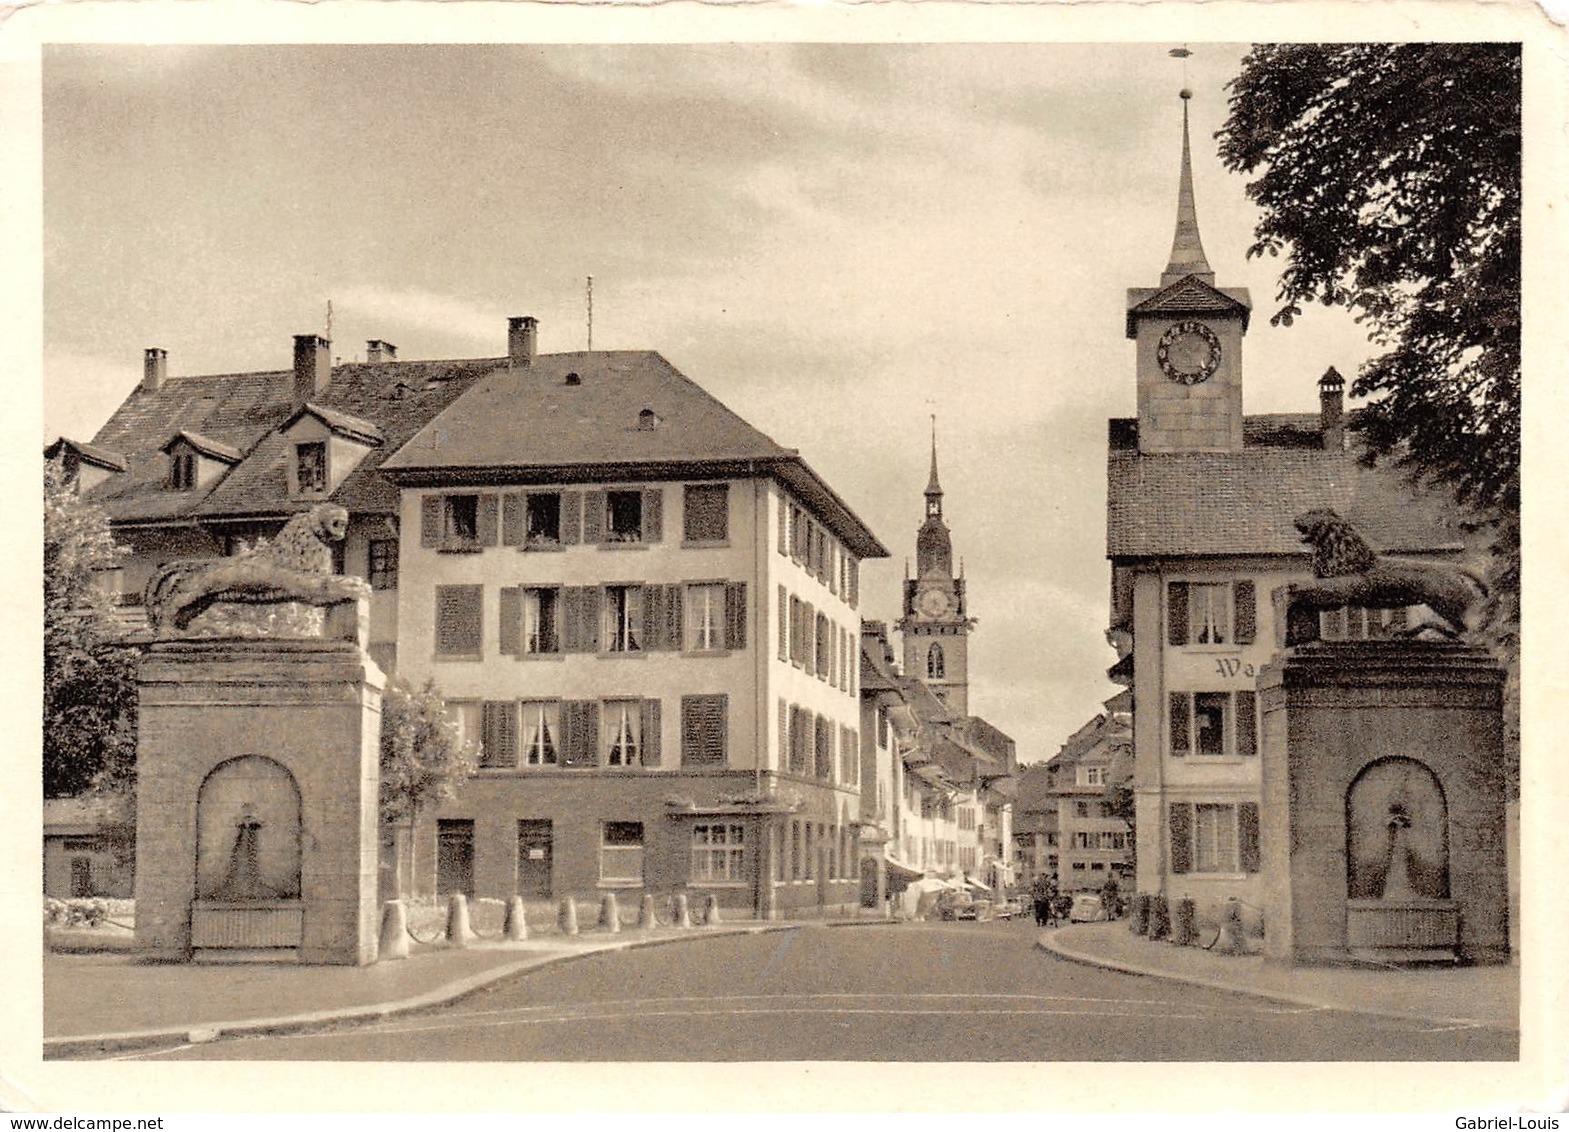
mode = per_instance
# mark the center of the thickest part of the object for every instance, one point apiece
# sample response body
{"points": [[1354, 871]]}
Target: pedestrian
{"points": [[1041, 897], [1110, 896]]}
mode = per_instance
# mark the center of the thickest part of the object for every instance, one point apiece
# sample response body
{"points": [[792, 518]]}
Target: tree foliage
{"points": [[1389, 174], [89, 710], [423, 758]]}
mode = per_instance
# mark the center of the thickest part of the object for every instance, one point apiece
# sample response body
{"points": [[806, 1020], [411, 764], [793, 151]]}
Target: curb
{"points": [[1049, 943], [75, 1045]]}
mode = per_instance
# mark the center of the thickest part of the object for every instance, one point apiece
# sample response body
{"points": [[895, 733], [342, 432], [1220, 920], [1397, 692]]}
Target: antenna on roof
{"points": [[590, 297]]}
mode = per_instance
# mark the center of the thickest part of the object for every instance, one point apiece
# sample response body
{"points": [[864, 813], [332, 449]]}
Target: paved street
{"points": [[914, 992]]}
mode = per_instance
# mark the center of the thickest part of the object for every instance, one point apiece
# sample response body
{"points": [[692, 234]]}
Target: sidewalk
{"points": [[112, 1001], [1460, 996]]}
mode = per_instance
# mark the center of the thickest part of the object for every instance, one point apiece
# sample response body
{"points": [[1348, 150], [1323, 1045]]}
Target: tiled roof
{"points": [[88, 453], [243, 412], [1189, 295], [1215, 503], [594, 410], [206, 445]]}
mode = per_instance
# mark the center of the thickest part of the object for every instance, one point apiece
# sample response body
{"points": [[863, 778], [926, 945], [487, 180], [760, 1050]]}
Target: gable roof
{"points": [[243, 412], [87, 453], [215, 449], [344, 424], [1188, 295], [579, 416], [1235, 503]]}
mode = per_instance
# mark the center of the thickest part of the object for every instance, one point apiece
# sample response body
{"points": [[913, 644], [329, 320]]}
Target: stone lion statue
{"points": [[294, 568], [1349, 572]]}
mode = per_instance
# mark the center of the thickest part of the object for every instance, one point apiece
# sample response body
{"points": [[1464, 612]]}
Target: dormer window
{"points": [[310, 467], [182, 471]]}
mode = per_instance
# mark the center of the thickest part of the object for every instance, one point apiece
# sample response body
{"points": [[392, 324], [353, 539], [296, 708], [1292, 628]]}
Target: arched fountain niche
{"points": [[1397, 863], [248, 854]]}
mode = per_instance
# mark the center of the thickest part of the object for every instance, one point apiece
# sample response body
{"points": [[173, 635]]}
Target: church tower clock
{"points": [[1189, 341], [935, 624]]}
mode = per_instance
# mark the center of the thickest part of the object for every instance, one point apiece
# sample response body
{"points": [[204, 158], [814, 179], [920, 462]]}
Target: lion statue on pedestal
{"points": [[1347, 571], [295, 568]]}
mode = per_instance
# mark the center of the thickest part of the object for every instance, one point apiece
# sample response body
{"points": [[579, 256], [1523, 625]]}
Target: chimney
{"points": [[1331, 410], [378, 351], [155, 368], [522, 339], [312, 366]]}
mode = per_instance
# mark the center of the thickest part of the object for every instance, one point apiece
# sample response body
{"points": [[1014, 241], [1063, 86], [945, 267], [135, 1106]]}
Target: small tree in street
{"points": [[89, 709], [423, 760]]}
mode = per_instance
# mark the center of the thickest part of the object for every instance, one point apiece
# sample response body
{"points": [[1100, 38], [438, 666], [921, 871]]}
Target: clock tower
{"points": [[935, 623], [1189, 341]]}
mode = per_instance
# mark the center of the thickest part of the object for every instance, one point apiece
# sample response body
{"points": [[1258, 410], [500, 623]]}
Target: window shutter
{"points": [[571, 518], [653, 633], [1247, 837], [580, 619], [580, 732], [1246, 613], [809, 638], [651, 744], [511, 620], [784, 734], [735, 615], [1181, 825], [1181, 715], [499, 728], [488, 514], [854, 578], [703, 729], [593, 517], [430, 520], [808, 741], [783, 628], [512, 519], [653, 514], [1177, 613], [1247, 723], [459, 620], [784, 524]]}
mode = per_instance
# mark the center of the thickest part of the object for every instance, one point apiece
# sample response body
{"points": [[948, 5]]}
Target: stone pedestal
{"points": [[1382, 820], [257, 773]]}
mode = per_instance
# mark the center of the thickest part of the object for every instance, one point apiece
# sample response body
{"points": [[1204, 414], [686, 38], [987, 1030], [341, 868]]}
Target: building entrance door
{"points": [[454, 856], [534, 858], [81, 876]]}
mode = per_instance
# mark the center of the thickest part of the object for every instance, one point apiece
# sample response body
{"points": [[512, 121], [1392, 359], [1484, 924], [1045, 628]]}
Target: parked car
{"points": [[955, 905], [1086, 908]]}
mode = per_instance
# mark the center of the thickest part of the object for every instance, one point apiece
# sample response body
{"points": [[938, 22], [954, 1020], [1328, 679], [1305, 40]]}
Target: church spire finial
{"points": [[1187, 250], [932, 486]]}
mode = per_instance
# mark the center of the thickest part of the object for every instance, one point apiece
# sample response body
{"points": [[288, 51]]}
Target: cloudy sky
{"points": [[836, 240]]}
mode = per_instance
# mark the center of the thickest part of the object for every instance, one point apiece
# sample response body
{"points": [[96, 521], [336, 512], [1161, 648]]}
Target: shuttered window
{"points": [[1246, 613], [735, 615], [783, 628], [823, 748], [705, 630], [458, 620], [784, 524], [580, 618], [1211, 613], [1181, 718], [704, 729], [1181, 830], [809, 637], [580, 733], [705, 512], [511, 629], [1247, 723], [499, 734], [821, 651]]}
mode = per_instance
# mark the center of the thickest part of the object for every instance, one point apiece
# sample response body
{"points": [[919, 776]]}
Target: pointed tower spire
{"points": [[1187, 250], [932, 486]]}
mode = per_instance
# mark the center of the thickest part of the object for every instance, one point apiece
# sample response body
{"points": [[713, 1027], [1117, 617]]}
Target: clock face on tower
{"points": [[933, 603], [1188, 352]]}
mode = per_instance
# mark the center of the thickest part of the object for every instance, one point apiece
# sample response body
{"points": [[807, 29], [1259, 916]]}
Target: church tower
{"points": [[935, 624], [1189, 341]]}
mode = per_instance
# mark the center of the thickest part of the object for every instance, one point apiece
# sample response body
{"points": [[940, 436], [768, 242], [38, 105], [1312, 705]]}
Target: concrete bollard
{"points": [[646, 920], [680, 911], [458, 933], [566, 919], [394, 942], [609, 913], [515, 927], [711, 911]]}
